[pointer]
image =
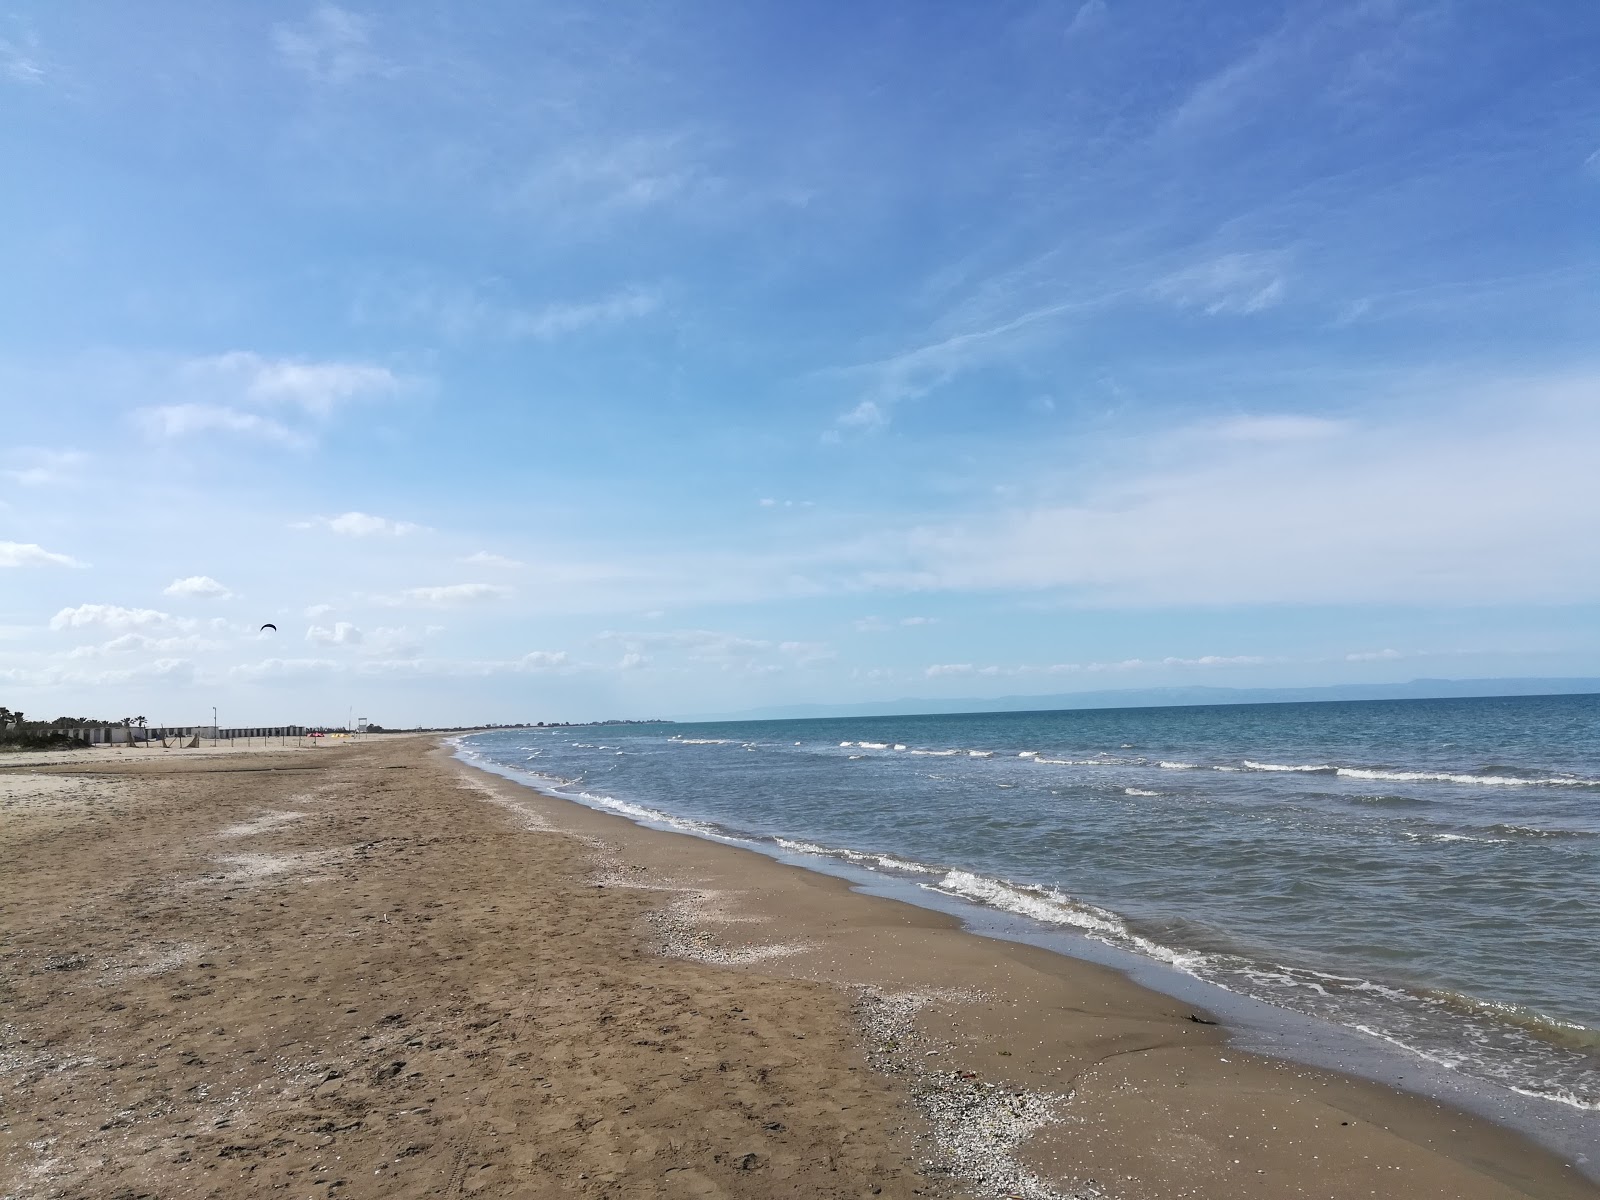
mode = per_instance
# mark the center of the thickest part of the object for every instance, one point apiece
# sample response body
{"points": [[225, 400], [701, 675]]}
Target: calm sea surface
{"points": [[1426, 871]]}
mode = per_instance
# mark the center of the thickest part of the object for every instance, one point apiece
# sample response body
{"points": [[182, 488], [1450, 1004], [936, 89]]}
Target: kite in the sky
{"points": [[267, 626]]}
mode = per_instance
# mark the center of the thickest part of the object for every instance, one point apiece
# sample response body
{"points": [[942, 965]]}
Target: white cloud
{"points": [[360, 524], [868, 414], [543, 660], [315, 611], [332, 46], [315, 388], [181, 420], [217, 394], [110, 616], [198, 587], [484, 559], [919, 620], [1231, 284], [451, 594], [131, 643], [283, 669], [39, 467], [343, 633], [632, 661], [29, 554], [1478, 499]]}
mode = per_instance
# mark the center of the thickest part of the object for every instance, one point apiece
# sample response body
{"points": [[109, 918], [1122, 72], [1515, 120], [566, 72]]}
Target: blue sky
{"points": [[568, 360]]}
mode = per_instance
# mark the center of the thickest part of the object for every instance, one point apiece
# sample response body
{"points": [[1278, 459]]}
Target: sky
{"points": [[544, 361]]}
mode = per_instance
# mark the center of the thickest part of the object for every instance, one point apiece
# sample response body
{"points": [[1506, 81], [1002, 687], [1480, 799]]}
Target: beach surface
{"points": [[367, 969]]}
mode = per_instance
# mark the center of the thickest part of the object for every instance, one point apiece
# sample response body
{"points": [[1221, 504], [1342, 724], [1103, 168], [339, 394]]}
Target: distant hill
{"points": [[1416, 689]]}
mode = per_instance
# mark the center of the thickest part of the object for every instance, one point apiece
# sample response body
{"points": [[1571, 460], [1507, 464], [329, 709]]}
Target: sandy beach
{"points": [[369, 970]]}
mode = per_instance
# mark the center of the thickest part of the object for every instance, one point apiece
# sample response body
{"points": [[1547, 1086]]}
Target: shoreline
{"points": [[386, 972], [1565, 1130], [1408, 1112]]}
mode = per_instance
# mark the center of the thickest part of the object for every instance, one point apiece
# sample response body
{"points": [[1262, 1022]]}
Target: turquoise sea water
{"points": [[1424, 871]]}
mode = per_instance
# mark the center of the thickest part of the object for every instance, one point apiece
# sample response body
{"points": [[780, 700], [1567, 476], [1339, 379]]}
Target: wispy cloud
{"points": [[601, 179], [29, 554], [484, 559], [1229, 284], [914, 373], [38, 467], [332, 46], [300, 395], [714, 648], [283, 670], [449, 595], [461, 313], [557, 320], [1090, 16], [1400, 513], [181, 420], [879, 625], [945, 670], [20, 61], [316, 388]]}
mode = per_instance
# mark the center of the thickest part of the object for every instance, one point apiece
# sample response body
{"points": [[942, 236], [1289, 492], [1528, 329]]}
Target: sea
{"points": [[1424, 874]]}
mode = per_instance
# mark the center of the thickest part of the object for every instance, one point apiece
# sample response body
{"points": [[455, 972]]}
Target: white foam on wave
{"points": [[1133, 791], [1318, 769], [871, 861], [935, 753], [1445, 777], [980, 753], [1531, 831], [1177, 766], [705, 741], [873, 745], [1042, 904], [1451, 837], [1027, 754]]}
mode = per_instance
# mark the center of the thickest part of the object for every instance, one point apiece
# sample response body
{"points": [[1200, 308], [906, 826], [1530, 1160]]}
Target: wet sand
{"points": [[375, 971]]}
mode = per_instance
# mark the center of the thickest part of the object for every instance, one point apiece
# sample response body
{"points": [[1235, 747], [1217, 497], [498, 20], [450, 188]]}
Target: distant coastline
{"points": [[1415, 689]]}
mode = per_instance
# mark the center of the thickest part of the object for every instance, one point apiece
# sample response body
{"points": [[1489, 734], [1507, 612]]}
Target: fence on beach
{"points": [[137, 735]]}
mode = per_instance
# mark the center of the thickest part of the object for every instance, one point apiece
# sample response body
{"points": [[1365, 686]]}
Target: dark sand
{"points": [[369, 970]]}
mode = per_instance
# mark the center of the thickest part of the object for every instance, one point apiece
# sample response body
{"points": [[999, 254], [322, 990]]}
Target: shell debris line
{"points": [[247, 870], [680, 931], [975, 1126], [265, 822]]}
